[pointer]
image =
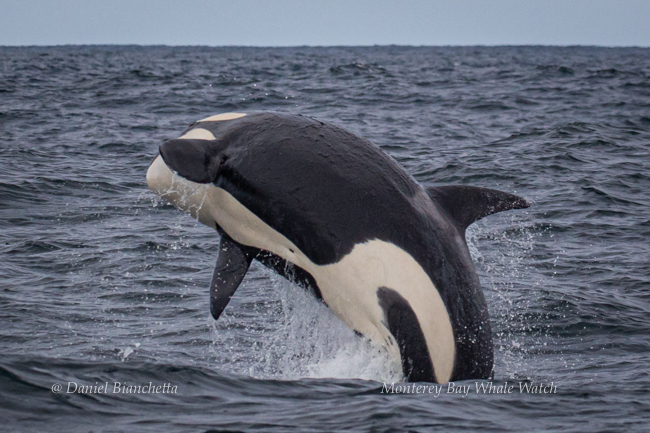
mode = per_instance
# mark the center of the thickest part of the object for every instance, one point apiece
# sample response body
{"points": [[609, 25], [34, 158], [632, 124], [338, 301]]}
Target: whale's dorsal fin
{"points": [[467, 204], [232, 264]]}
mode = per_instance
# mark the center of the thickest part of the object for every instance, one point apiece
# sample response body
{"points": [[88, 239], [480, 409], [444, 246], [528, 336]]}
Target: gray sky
{"points": [[326, 22]]}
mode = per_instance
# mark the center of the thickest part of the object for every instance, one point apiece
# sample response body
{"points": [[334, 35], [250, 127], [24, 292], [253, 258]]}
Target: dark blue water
{"points": [[100, 282]]}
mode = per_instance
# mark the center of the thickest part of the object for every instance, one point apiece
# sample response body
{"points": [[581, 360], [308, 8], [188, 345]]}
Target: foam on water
{"points": [[291, 335], [501, 247]]}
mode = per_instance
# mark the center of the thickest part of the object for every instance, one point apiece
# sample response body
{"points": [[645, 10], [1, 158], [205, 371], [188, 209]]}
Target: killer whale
{"points": [[329, 210]]}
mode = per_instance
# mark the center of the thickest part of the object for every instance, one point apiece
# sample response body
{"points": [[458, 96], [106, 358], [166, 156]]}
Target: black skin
{"points": [[232, 264], [405, 327], [326, 189]]}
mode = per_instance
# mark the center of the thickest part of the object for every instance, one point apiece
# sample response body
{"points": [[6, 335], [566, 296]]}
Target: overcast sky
{"points": [[326, 22]]}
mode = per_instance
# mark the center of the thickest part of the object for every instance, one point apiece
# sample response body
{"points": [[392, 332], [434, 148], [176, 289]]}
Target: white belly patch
{"points": [[349, 287]]}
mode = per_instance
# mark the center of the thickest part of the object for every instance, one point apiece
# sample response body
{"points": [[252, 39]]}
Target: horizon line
{"points": [[322, 46]]}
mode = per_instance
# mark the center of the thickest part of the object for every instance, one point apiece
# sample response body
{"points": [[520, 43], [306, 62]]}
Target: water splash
{"points": [[289, 335], [513, 289]]}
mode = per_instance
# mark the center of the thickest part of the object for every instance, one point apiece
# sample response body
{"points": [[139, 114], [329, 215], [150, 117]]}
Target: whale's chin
{"points": [[159, 176], [183, 194]]}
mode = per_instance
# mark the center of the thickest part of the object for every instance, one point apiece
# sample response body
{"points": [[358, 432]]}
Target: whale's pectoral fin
{"points": [[232, 265], [194, 159], [467, 204]]}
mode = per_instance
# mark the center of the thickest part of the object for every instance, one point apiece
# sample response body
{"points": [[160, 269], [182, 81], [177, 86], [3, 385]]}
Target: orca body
{"points": [[332, 212]]}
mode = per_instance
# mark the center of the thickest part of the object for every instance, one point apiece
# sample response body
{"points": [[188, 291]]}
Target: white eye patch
{"points": [[198, 133]]}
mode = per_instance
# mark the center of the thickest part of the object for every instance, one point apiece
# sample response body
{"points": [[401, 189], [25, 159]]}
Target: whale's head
{"points": [[187, 166]]}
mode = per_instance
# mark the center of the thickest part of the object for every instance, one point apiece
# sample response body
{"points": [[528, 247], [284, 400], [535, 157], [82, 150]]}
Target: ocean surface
{"points": [[103, 284]]}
